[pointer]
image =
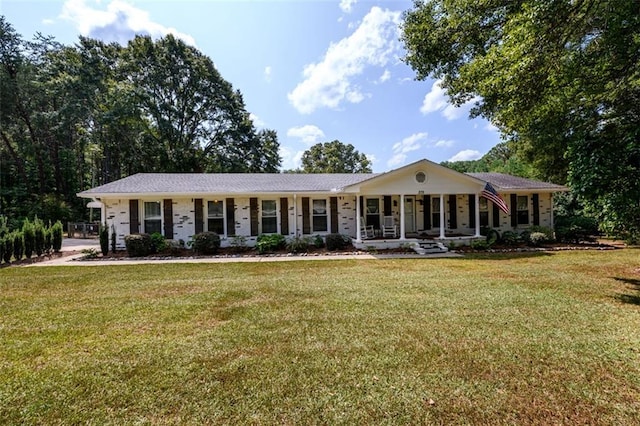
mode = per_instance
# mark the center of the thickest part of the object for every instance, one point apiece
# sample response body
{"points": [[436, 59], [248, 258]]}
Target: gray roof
{"points": [[501, 181], [226, 183]]}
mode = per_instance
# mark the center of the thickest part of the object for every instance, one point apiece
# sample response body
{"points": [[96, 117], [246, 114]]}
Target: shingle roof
{"points": [[502, 181], [226, 183]]}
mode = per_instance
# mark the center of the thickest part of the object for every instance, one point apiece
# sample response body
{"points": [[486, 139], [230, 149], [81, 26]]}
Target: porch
{"points": [[425, 241]]}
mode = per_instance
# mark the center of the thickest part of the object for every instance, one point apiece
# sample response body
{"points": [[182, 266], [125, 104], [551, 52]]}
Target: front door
{"points": [[409, 215]]}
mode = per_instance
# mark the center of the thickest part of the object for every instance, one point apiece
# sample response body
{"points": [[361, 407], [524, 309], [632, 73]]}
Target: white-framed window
{"points": [[435, 212], [372, 209], [215, 216], [319, 216], [269, 217], [484, 211], [523, 209], [152, 217]]}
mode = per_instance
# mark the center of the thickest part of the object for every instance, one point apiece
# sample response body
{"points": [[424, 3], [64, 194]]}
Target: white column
{"points": [[402, 217], [442, 218], [477, 213], [358, 224]]}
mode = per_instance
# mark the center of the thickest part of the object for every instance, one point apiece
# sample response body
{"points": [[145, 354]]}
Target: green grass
{"points": [[519, 339]]}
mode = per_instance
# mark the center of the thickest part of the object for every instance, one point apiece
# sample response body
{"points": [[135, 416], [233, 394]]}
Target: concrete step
{"points": [[429, 247]]}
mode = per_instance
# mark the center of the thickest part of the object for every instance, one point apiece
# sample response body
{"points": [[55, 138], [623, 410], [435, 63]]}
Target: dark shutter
{"points": [[453, 212], [253, 214], [168, 218], [134, 222], [426, 211], [197, 215], [231, 216], [306, 219], [284, 216], [472, 211], [386, 205], [514, 210], [333, 209], [496, 215], [536, 209], [361, 200]]}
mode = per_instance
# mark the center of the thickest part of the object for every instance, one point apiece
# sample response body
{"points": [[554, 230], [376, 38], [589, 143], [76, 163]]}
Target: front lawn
{"points": [[549, 338]]}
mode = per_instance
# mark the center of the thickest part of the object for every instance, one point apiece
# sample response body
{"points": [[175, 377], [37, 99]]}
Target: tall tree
{"points": [[561, 79], [334, 157]]}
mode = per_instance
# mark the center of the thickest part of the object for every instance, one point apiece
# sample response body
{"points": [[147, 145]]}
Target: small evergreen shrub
{"points": [[206, 243], [336, 242], [493, 236], [113, 238], [47, 240], [158, 243], [18, 245], [104, 239], [4, 226], [576, 229], [238, 243], [298, 244], [56, 236], [548, 232], [270, 242], [510, 238], [8, 248], [29, 236], [39, 233], [318, 241], [138, 245], [538, 238], [480, 245]]}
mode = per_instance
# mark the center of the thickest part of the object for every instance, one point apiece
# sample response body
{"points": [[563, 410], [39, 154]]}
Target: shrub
{"points": [[206, 243], [576, 229], [492, 236], [18, 245], [158, 243], [537, 238], [318, 241], [47, 240], [39, 233], [299, 244], [29, 236], [104, 239], [480, 245], [336, 242], [269, 242], [138, 244], [1, 249], [238, 243], [548, 232], [113, 238], [8, 248], [4, 227], [510, 238], [56, 236]]}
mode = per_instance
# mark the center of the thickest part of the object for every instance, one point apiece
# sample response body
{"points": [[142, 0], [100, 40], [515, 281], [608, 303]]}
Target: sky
{"points": [[313, 70]]}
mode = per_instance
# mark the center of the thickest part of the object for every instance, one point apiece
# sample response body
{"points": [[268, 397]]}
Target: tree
{"points": [[334, 157], [559, 78]]}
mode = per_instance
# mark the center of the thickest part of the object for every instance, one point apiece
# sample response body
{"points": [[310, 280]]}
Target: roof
{"points": [[226, 183], [501, 181]]}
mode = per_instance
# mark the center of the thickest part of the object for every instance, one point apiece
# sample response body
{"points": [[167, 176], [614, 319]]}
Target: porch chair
{"points": [[366, 232], [389, 228]]}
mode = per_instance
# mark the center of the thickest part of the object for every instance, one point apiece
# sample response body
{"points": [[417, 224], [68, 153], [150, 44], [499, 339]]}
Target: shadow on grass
{"points": [[506, 255], [634, 284]]}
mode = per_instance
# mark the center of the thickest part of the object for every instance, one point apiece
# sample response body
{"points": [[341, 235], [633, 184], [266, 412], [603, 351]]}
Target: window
{"points": [[373, 212], [215, 217], [152, 217], [484, 212], [319, 216], [269, 217], [421, 177], [435, 212], [523, 210]]}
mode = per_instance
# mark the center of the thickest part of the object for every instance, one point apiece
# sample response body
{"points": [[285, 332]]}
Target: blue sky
{"points": [[314, 71]]}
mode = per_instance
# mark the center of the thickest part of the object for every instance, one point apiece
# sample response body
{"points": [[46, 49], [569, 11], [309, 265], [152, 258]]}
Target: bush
{"points": [[39, 232], [269, 242], [206, 243], [56, 236], [480, 245], [18, 245], [29, 236], [318, 241], [1, 249], [337, 242], [299, 244], [238, 243], [538, 238], [47, 240], [510, 238], [4, 227], [492, 236], [158, 243], [104, 239], [576, 229], [8, 248], [548, 232], [113, 238], [138, 244]]}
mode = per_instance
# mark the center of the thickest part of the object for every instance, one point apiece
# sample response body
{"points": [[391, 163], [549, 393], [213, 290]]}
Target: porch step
{"points": [[429, 247]]}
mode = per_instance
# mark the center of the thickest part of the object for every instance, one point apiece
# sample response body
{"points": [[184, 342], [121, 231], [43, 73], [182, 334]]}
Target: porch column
{"points": [[358, 224], [477, 213], [402, 217], [442, 218]]}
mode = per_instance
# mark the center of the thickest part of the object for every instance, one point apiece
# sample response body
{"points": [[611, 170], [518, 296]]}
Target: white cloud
{"points": [[491, 128], [436, 100], [257, 121], [442, 143], [291, 158], [466, 155], [329, 82], [386, 75], [408, 144], [120, 22], [347, 5], [267, 73], [372, 158], [309, 134]]}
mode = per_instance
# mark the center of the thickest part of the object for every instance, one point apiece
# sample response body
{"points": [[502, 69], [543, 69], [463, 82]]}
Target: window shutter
{"points": [[426, 211], [134, 222], [453, 216], [333, 207], [197, 215], [536, 209], [253, 213], [386, 205], [168, 218], [496, 216], [284, 216], [306, 219], [231, 216], [472, 211], [514, 210]]}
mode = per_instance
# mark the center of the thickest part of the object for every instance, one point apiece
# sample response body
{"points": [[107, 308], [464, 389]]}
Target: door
{"points": [[409, 215]]}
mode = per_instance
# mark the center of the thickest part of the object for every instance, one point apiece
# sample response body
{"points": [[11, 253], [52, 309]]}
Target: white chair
{"points": [[389, 228], [366, 232]]}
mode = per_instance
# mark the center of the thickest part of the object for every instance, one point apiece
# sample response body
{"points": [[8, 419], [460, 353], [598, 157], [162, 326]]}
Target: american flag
{"points": [[491, 194]]}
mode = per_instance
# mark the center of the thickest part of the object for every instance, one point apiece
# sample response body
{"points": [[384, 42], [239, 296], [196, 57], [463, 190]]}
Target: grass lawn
{"points": [[512, 339]]}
